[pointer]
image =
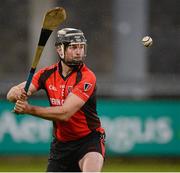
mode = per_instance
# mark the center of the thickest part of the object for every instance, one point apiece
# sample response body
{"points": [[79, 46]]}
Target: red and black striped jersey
{"points": [[81, 82]]}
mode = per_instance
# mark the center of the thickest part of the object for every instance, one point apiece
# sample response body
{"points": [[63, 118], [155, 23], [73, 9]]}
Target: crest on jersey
{"points": [[87, 86]]}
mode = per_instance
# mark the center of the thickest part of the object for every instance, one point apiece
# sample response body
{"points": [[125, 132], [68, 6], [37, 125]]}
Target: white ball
{"points": [[147, 41]]}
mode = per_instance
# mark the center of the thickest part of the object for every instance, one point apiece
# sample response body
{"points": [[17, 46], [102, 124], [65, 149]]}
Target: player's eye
{"points": [[76, 46]]}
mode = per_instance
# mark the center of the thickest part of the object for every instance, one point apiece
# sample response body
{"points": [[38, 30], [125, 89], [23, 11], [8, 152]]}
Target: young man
{"points": [[78, 143]]}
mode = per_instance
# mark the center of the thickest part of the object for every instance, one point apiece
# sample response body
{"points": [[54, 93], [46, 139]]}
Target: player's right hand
{"points": [[21, 107]]}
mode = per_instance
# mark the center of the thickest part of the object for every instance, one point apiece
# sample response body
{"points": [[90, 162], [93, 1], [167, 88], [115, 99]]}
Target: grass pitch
{"points": [[38, 164]]}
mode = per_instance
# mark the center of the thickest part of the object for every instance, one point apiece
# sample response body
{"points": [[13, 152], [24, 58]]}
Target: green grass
{"points": [[142, 165], [23, 164], [38, 164]]}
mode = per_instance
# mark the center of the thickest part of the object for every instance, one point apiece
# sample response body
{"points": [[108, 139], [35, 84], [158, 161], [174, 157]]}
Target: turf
{"points": [[142, 165], [38, 164]]}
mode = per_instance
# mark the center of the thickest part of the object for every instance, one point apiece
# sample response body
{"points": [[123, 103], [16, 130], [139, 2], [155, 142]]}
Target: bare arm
{"points": [[16, 91], [62, 113]]}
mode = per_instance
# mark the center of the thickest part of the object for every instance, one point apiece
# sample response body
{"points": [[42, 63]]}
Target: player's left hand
{"points": [[21, 107]]}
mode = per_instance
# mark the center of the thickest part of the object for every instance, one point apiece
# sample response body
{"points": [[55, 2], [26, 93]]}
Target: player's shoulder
{"points": [[87, 72], [47, 68]]}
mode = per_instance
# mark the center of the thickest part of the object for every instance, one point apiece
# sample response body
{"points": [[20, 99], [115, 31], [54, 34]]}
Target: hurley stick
{"points": [[52, 19]]}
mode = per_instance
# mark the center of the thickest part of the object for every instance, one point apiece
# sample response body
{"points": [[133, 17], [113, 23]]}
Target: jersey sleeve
{"points": [[36, 81], [85, 87]]}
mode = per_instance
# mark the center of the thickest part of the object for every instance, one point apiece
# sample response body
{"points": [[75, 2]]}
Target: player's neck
{"points": [[66, 70]]}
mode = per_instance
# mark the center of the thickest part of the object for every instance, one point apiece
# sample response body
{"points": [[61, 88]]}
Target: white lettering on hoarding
{"points": [[123, 133], [27, 130]]}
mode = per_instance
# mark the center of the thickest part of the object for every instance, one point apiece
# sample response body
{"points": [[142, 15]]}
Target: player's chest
{"points": [[58, 89]]}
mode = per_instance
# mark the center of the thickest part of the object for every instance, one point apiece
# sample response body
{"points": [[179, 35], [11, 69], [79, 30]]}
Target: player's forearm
{"points": [[49, 113]]}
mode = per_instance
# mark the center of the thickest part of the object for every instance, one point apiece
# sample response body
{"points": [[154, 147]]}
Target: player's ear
{"points": [[60, 50]]}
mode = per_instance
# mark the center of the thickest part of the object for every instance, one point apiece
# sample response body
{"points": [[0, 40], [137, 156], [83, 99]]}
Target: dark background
{"points": [[99, 22]]}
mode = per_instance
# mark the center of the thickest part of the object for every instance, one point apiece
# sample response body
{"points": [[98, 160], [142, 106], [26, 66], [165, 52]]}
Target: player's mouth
{"points": [[77, 58]]}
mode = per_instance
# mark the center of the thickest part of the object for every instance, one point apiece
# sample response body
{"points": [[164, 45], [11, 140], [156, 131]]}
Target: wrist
{"points": [[29, 109]]}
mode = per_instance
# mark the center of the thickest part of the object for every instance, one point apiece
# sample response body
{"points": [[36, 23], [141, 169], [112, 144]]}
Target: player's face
{"points": [[75, 52]]}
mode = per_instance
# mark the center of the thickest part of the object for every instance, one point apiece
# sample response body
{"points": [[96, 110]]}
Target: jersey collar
{"points": [[74, 70]]}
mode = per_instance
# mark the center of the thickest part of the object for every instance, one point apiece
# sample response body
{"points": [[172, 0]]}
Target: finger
{"points": [[29, 93], [19, 97], [17, 109], [20, 103], [23, 97], [23, 91]]}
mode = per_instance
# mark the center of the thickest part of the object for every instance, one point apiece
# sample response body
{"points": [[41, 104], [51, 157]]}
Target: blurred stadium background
{"points": [[138, 87]]}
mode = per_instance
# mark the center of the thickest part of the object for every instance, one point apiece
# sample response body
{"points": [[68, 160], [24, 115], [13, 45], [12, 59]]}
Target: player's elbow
{"points": [[65, 117], [66, 112]]}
